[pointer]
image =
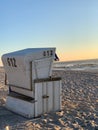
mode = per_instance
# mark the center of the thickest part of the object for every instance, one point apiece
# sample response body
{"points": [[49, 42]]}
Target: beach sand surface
{"points": [[79, 105]]}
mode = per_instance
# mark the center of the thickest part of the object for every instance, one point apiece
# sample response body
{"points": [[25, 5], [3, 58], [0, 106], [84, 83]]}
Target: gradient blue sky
{"points": [[69, 25]]}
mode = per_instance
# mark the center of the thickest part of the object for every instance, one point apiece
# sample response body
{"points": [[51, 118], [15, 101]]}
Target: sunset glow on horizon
{"points": [[77, 55]]}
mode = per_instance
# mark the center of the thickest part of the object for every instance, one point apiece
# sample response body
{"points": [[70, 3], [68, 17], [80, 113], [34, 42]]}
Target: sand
{"points": [[79, 105]]}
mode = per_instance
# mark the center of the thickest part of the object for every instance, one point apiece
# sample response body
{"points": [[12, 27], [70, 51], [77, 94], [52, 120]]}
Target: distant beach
{"points": [[79, 103], [81, 65]]}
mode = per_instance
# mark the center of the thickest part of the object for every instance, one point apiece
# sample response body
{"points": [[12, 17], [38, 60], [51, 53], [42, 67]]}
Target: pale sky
{"points": [[69, 25]]}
